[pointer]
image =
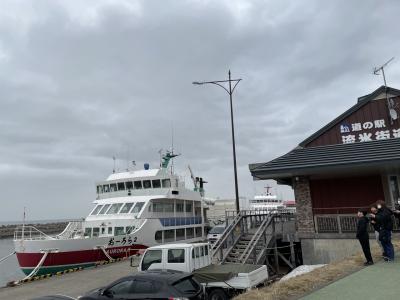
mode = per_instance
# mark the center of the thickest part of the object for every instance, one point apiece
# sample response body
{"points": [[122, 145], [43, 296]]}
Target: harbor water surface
{"points": [[9, 269]]}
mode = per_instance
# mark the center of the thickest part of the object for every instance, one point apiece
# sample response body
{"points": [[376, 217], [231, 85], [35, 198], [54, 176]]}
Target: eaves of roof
{"points": [[302, 160]]}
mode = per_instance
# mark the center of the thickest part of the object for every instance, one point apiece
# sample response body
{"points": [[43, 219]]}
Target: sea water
{"points": [[9, 269]]}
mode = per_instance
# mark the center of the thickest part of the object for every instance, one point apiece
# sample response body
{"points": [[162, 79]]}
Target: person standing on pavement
{"points": [[363, 236], [383, 217], [375, 225]]}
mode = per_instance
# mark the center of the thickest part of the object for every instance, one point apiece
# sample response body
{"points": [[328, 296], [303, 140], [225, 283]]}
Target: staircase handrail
{"points": [[254, 240], [228, 230], [72, 227]]}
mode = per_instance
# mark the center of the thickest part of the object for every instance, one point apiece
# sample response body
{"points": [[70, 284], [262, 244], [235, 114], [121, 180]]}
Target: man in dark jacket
{"points": [[383, 218], [363, 236]]}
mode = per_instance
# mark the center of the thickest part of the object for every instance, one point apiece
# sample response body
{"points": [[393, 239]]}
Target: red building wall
{"points": [[345, 195], [373, 111]]}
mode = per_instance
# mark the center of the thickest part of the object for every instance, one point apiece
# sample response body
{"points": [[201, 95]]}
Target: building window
{"points": [[119, 231], [158, 236], [146, 184], [121, 186], [166, 183], [156, 183], [180, 234], [176, 256]]}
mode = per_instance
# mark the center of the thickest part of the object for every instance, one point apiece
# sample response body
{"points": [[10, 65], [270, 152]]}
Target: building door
{"points": [[394, 186]]}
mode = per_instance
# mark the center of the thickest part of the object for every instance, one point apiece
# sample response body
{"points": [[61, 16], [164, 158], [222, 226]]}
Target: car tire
{"points": [[217, 294]]}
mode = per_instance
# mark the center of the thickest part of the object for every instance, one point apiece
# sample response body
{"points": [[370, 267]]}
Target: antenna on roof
{"points": [[114, 164], [392, 111]]}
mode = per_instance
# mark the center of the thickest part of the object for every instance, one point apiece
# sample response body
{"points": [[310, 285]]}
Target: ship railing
{"points": [[30, 233], [74, 229]]}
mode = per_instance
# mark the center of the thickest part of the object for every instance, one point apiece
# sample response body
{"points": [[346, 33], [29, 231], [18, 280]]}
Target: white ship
{"points": [[133, 210], [267, 202]]}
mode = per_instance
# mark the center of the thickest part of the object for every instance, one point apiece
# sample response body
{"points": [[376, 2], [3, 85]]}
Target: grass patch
{"points": [[300, 285]]}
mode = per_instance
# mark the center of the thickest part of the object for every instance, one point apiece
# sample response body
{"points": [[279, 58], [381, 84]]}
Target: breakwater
{"points": [[7, 231]]}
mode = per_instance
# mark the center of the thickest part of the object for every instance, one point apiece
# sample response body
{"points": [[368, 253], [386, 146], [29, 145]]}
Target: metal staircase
{"points": [[250, 236]]}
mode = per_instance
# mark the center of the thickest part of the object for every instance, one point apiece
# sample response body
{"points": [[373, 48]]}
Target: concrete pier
{"points": [[71, 284]]}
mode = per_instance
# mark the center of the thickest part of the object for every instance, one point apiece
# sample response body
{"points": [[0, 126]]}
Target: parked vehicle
{"points": [[160, 284], [220, 281], [215, 233]]}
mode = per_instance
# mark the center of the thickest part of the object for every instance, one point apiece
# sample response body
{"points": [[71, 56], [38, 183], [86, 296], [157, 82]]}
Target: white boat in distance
{"points": [[133, 210], [267, 202]]}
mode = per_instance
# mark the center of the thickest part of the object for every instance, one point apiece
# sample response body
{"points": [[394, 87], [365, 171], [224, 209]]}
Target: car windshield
{"points": [[217, 230]]}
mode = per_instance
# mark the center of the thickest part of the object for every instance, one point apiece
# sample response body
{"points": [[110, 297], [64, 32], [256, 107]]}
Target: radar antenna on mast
{"points": [[390, 104]]}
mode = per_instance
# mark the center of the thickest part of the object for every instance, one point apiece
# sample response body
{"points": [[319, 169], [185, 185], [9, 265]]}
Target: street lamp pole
{"points": [[230, 92]]}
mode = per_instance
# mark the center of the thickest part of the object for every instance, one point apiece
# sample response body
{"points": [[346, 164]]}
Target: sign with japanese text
{"points": [[367, 131]]}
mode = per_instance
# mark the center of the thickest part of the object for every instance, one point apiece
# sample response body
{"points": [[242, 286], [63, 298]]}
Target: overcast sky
{"points": [[83, 81]]}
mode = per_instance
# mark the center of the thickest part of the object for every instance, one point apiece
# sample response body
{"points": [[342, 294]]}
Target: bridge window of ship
{"points": [[138, 185], [113, 187], [121, 186], [129, 185], [114, 208], [103, 230], [106, 188], [147, 184], [96, 231], [88, 232], [166, 183], [119, 231], [110, 230], [99, 189], [96, 210], [104, 209], [156, 183], [176, 256], [137, 208], [126, 208]]}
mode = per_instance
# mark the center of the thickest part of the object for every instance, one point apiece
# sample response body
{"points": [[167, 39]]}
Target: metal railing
{"points": [[30, 233], [341, 223]]}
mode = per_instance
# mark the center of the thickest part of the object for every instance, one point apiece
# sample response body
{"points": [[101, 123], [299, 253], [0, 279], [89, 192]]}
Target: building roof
{"points": [[307, 161], [360, 103]]}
